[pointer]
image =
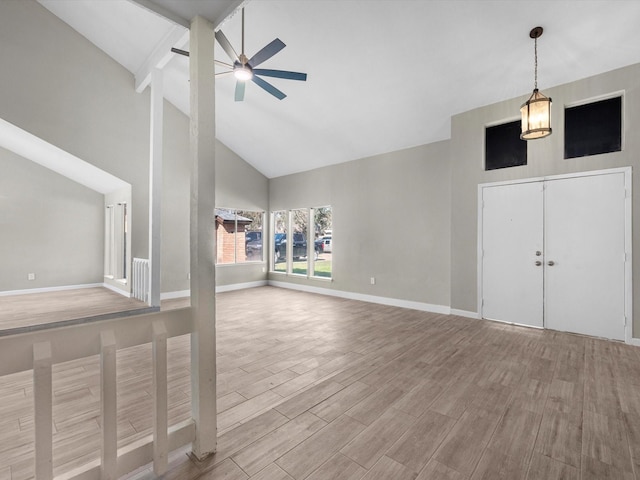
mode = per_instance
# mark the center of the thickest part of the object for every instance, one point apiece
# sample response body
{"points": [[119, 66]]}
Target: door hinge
{"points": [[624, 320]]}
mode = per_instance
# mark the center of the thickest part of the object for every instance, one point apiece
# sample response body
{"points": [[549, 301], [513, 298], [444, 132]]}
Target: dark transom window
{"points": [[593, 128], [503, 146]]}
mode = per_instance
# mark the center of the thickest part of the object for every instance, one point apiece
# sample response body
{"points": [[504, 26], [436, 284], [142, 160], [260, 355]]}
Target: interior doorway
{"points": [[555, 252]]}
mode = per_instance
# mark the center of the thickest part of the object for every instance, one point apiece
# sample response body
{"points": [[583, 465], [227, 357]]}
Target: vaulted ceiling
{"points": [[383, 75]]}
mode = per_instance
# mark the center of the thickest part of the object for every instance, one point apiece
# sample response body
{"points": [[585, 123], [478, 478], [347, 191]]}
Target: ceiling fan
{"points": [[243, 68]]}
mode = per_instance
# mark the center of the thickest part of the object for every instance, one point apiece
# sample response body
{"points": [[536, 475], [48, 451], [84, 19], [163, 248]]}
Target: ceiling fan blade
{"points": [[181, 52], [226, 45], [240, 91], [223, 64], [268, 87], [281, 74], [186, 54], [267, 52]]}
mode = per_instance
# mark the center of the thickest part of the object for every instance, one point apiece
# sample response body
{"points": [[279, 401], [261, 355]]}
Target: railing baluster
{"points": [[108, 407], [160, 401], [43, 407]]}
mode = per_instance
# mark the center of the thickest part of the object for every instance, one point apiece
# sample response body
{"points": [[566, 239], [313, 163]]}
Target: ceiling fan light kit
{"points": [[243, 68], [536, 111]]}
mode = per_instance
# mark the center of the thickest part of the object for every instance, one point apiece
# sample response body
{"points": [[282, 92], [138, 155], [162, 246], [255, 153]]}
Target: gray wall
{"points": [[391, 221], [238, 185], [49, 225], [58, 86], [545, 157]]}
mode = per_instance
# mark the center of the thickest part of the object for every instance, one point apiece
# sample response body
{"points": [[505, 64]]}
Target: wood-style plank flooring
{"points": [[35, 309], [315, 387]]}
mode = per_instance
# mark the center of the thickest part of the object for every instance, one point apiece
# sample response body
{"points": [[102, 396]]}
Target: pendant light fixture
{"points": [[536, 112]]}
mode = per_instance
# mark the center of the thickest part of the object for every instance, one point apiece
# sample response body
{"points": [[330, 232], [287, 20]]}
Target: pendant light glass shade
{"points": [[536, 116], [536, 112]]}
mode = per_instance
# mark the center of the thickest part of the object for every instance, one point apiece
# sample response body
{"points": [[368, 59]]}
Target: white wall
{"points": [[49, 225], [391, 221], [545, 157], [58, 86]]}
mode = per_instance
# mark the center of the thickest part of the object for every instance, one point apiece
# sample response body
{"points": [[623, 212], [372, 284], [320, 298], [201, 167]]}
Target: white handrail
{"points": [[40, 350]]}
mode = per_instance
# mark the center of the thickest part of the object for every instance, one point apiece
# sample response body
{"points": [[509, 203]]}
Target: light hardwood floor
{"points": [[315, 387], [37, 309]]}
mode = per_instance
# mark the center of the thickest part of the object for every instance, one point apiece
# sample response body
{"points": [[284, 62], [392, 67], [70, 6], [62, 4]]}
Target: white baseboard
{"points": [[49, 289], [394, 302], [634, 341], [241, 286], [219, 289], [172, 295], [465, 313], [124, 293]]}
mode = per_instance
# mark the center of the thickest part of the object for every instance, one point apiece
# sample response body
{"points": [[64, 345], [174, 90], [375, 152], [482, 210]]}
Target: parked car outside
{"points": [[253, 245], [299, 246], [326, 242]]}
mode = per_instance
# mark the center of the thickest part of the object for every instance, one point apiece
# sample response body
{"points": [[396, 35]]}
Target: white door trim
{"points": [[628, 264]]}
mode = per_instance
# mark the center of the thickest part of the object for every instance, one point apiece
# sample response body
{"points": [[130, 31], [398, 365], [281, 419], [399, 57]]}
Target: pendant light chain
{"points": [[535, 74], [243, 32]]}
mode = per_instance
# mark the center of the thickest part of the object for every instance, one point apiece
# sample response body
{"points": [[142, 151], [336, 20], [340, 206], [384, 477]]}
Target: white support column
{"points": [[160, 402], [155, 185], [43, 406], [108, 406], [203, 283]]}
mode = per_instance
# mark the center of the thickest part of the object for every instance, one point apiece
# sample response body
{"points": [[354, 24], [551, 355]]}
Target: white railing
{"points": [[40, 350], [140, 279]]}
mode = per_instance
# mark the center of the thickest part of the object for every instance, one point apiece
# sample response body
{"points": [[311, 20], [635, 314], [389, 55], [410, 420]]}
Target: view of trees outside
{"points": [[322, 218], [238, 236], [319, 233], [253, 235], [300, 226], [280, 223]]}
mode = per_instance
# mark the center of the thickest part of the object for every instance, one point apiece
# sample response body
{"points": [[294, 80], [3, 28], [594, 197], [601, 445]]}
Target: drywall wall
{"points": [[49, 226], [58, 86], [391, 221], [545, 157], [238, 185]]}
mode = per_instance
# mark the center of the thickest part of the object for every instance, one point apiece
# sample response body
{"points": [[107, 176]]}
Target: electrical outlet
{"points": [[31, 276], [373, 280]]}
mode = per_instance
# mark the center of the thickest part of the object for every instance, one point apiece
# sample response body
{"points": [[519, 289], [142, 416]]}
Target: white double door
{"points": [[553, 254]]}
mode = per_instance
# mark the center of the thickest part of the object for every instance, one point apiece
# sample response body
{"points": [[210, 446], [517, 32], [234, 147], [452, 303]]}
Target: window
{"points": [[307, 251], [503, 146], [300, 228], [593, 128], [324, 241], [279, 249], [239, 236], [115, 252]]}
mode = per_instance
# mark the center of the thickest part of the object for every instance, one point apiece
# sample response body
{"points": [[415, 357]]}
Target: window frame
{"points": [[591, 100], [235, 236], [515, 123], [289, 231]]}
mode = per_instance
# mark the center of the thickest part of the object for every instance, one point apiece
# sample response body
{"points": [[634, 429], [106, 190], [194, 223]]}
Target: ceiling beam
{"points": [[178, 37], [164, 12], [181, 12]]}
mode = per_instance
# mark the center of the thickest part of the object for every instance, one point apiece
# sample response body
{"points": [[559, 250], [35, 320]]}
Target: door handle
{"points": [[538, 263], [551, 263]]}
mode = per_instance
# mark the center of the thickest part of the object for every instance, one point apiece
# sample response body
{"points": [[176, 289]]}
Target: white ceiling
{"points": [[383, 75]]}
